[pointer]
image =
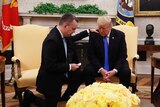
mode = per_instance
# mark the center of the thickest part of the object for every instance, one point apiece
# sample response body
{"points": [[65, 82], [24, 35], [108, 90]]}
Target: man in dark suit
{"points": [[117, 54], [59, 62]]}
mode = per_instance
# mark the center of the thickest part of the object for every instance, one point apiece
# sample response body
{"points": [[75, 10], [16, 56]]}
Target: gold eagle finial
{"points": [[13, 3]]}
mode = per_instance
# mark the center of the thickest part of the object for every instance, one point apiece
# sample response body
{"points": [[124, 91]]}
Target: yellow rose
{"points": [[104, 95]]}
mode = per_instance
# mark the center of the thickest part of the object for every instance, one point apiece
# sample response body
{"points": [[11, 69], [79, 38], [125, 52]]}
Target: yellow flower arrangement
{"points": [[104, 95]]}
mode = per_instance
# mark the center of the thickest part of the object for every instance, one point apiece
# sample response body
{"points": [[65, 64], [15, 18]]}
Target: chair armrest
{"points": [[17, 67], [14, 58], [135, 58]]}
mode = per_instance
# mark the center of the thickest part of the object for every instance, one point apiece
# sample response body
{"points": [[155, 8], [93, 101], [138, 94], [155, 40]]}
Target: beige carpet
{"points": [[143, 93]]}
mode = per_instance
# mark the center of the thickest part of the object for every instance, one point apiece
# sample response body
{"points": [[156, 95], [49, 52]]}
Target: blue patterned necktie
{"points": [[106, 64]]}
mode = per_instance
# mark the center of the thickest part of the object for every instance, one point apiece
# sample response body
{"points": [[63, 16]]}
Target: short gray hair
{"points": [[104, 20]]}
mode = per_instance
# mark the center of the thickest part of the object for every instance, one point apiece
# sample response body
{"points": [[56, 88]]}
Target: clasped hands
{"points": [[107, 74]]}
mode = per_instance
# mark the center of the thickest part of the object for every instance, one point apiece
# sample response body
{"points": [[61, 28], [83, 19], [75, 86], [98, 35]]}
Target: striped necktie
{"points": [[65, 46]]}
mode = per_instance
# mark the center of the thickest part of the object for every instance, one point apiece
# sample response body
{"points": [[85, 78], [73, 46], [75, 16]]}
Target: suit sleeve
{"points": [[79, 36], [51, 58], [122, 53], [91, 52]]}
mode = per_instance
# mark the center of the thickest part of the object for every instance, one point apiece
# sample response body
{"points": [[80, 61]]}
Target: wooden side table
{"points": [[2, 73], [155, 63], [143, 49], [149, 48]]}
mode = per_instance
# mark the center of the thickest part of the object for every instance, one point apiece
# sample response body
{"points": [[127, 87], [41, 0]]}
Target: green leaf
{"points": [[50, 8]]}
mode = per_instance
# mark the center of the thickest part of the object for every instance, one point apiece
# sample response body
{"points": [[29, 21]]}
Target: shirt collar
{"points": [[109, 34], [60, 32]]}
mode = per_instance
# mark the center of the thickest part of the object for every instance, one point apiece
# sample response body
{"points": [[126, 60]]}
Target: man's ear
{"points": [[65, 24]]}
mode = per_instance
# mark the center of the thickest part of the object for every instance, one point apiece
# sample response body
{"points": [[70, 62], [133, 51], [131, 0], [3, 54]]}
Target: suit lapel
{"points": [[111, 42], [101, 45], [61, 42]]}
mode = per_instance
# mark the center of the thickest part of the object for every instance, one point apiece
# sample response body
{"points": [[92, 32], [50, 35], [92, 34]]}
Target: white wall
{"points": [[141, 22], [109, 5]]}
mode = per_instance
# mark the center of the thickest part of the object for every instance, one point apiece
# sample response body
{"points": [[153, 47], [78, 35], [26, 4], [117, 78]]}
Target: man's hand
{"points": [[93, 30], [74, 66], [110, 74], [107, 74], [104, 74]]}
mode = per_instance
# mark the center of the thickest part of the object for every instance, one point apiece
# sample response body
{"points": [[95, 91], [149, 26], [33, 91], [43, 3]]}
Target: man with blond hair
{"points": [[107, 54]]}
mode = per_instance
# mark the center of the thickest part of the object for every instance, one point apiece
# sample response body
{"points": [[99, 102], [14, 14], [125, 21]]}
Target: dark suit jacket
{"points": [[54, 63], [117, 50]]}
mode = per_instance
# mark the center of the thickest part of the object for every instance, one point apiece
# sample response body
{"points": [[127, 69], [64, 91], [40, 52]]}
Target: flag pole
{"points": [[11, 80]]}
